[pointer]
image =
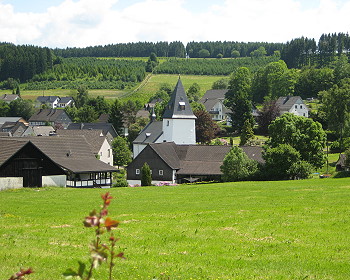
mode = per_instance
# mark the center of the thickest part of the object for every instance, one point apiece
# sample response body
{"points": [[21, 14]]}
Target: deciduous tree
{"points": [[121, 151], [238, 98], [206, 128], [237, 166], [303, 134]]}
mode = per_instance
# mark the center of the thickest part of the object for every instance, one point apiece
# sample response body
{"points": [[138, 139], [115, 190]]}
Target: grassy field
{"points": [[246, 230], [151, 87], [143, 94]]}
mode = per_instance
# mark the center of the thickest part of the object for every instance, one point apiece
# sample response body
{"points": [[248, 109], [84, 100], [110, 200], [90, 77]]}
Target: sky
{"points": [[81, 23]]}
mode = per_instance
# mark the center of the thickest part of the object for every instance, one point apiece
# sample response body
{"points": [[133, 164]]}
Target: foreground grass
{"points": [[248, 230]]}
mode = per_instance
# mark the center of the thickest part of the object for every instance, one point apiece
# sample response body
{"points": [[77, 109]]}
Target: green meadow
{"points": [[243, 230], [142, 92]]}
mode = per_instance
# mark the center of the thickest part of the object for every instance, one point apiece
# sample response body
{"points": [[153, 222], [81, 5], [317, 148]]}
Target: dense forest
{"points": [[23, 62]]}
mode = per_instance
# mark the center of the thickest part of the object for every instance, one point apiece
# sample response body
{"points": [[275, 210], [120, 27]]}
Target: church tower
{"points": [[178, 118]]}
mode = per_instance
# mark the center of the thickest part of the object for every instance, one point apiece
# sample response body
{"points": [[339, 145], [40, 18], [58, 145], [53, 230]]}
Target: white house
{"points": [[213, 100], [177, 118], [50, 101], [292, 104]]}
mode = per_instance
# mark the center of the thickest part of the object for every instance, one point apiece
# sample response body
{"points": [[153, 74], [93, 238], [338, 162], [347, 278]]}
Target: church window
{"points": [[182, 105]]}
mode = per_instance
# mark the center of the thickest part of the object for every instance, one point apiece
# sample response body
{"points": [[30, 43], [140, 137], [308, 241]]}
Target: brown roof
{"points": [[94, 138], [71, 153], [199, 159], [9, 148]]}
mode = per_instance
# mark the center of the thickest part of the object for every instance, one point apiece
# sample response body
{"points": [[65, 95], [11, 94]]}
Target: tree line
{"points": [[139, 49]]}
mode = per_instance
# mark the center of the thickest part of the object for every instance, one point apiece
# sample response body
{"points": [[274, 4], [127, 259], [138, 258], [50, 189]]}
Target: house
{"points": [[15, 129], [213, 100], [50, 101], [9, 97], [173, 163], [60, 161], [292, 104], [53, 117], [177, 118], [54, 102], [100, 145], [64, 102], [12, 119], [107, 128]]}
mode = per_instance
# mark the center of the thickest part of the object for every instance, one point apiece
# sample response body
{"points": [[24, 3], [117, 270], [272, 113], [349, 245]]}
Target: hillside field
{"points": [[245, 230], [145, 91]]}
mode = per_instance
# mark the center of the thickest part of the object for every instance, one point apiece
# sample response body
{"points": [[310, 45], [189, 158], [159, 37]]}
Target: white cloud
{"points": [[90, 22]]}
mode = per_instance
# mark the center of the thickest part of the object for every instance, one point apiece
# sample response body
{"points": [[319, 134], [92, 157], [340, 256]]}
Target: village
{"points": [[85, 155]]}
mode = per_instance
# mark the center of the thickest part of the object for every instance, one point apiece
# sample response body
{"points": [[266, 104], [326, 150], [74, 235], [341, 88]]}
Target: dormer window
{"points": [[182, 105]]}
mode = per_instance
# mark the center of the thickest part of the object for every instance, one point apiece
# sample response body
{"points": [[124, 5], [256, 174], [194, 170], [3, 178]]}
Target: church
{"points": [[178, 124], [169, 148]]}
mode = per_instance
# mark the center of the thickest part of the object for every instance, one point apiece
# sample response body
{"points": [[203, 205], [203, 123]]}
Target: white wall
{"points": [[180, 131], [7, 183], [54, 180], [137, 148], [106, 153]]}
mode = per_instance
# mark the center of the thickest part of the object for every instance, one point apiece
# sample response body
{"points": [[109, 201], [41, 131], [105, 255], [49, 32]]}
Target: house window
{"points": [[109, 152], [161, 172], [151, 171], [301, 106], [167, 123], [296, 106], [137, 171], [101, 154]]}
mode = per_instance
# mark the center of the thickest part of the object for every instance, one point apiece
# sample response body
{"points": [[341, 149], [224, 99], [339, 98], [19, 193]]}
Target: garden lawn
{"points": [[246, 230]]}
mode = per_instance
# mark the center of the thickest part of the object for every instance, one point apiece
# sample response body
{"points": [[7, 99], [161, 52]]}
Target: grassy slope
{"points": [[246, 230], [205, 83]]}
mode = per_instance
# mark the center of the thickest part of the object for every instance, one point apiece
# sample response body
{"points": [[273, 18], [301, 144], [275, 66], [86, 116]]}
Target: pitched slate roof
{"points": [[66, 99], [105, 127], [9, 97], [47, 99], [71, 153], [213, 96], [285, 103], [47, 115], [174, 109], [199, 159], [150, 133], [168, 152]]}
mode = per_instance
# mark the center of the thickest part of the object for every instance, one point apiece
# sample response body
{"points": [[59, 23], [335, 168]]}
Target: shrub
{"points": [[121, 183]]}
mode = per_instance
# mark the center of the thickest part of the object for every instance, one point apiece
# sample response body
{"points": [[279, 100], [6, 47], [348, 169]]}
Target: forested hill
{"points": [[24, 63]]}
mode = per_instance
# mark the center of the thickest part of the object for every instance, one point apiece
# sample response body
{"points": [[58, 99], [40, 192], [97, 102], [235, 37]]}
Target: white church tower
{"points": [[178, 118]]}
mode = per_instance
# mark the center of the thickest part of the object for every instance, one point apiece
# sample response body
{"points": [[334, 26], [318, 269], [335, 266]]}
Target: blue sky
{"points": [[62, 23]]}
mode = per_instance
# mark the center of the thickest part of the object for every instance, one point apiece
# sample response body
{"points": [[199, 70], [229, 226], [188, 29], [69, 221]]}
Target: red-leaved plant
{"points": [[99, 251], [21, 274]]}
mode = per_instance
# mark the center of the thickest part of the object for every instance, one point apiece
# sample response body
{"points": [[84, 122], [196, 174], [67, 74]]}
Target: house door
{"points": [[32, 173]]}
